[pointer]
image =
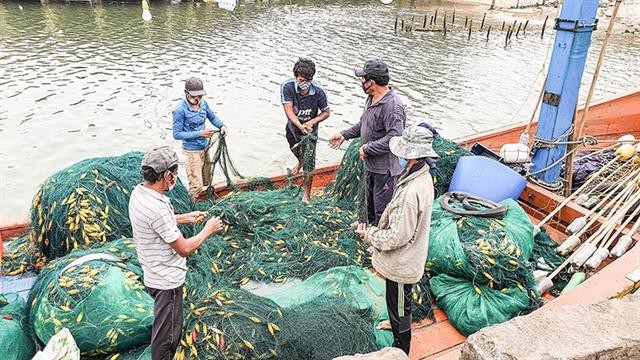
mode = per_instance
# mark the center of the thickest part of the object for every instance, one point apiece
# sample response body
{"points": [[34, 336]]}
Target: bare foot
{"points": [[384, 325], [297, 168]]}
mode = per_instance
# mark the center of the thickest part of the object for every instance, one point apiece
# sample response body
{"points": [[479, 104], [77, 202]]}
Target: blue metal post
{"points": [[573, 37]]}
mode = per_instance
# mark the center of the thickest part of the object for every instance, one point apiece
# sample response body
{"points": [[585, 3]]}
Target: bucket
{"points": [[487, 178]]}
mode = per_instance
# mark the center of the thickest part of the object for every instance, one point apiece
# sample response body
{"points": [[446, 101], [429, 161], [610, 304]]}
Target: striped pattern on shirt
{"points": [[154, 228]]}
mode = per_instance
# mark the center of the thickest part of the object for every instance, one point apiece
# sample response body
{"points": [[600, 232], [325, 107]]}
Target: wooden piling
{"points": [[482, 24], [435, 17], [395, 27], [402, 25], [466, 20], [470, 26], [544, 25], [518, 32], [445, 23], [488, 32], [524, 29], [453, 21], [424, 23], [502, 26], [506, 37]]}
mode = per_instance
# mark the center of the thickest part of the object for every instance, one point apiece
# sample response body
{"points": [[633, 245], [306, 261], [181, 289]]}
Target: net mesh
{"points": [[14, 338]]}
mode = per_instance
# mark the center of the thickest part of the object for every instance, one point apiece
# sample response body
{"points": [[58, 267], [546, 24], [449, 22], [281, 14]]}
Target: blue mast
{"points": [[573, 37]]}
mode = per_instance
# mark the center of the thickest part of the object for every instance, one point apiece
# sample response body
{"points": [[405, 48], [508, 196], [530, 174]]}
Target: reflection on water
{"points": [[79, 81]]}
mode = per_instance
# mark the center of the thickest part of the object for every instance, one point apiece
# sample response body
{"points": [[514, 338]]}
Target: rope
{"points": [[472, 205]]}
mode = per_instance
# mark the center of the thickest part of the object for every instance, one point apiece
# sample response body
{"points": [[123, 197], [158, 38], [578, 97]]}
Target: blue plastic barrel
{"points": [[487, 178]]}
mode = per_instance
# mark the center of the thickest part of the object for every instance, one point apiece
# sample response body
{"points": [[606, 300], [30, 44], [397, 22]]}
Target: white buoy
{"points": [[596, 259], [386, 2], [568, 245], [581, 199], [627, 139], [514, 153], [577, 225], [622, 246], [538, 275], [544, 285], [536, 230], [146, 14], [541, 264], [581, 256]]}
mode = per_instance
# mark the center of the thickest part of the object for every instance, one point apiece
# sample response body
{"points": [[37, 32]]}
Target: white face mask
{"points": [[171, 184]]}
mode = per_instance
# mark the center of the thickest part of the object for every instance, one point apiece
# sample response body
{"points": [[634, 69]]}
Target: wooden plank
{"points": [[434, 339]]}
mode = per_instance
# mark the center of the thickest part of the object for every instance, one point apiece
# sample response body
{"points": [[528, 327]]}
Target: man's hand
{"points": [[207, 133], [308, 127], [336, 140], [224, 131], [361, 230], [363, 155], [195, 217], [213, 226], [303, 129]]}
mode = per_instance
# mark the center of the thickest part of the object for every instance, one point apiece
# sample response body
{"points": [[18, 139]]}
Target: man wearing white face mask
{"points": [[189, 118], [305, 105], [161, 248]]}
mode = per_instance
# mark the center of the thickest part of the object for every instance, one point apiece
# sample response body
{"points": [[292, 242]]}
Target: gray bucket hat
{"points": [[416, 142], [160, 159]]}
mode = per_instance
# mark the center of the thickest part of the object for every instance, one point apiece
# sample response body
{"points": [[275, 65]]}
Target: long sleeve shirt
{"points": [[378, 124], [188, 123]]}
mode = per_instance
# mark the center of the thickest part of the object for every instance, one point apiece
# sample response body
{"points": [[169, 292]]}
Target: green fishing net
{"points": [[449, 153], [14, 338], [545, 248], [19, 256], [86, 204], [472, 307], [98, 295]]}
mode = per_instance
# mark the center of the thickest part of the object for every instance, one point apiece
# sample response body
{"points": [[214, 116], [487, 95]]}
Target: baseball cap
{"points": [[160, 159], [375, 67], [194, 87]]}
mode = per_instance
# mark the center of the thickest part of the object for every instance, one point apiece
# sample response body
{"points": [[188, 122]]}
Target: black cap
{"points": [[194, 87], [375, 67]]}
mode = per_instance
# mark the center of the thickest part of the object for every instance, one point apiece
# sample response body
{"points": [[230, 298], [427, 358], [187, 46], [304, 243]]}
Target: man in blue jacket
{"points": [[189, 118]]}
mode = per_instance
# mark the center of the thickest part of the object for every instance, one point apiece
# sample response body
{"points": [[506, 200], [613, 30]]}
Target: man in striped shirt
{"points": [[161, 248]]}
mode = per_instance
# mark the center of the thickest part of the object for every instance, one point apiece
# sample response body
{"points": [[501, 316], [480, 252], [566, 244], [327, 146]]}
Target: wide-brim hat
{"points": [[416, 142]]}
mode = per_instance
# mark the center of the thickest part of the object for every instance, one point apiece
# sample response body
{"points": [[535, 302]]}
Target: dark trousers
{"points": [[380, 194], [167, 323], [399, 309]]}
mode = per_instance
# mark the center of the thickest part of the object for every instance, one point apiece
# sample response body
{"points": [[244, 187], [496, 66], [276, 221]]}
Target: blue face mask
{"points": [[303, 86], [403, 162]]}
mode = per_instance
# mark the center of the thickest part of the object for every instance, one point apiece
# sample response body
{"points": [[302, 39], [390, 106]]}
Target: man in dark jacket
{"points": [[383, 118]]}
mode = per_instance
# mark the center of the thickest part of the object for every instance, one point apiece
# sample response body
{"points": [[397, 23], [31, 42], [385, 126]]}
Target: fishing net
{"points": [[230, 323], [324, 329], [484, 250], [19, 256], [472, 307], [141, 353], [222, 159], [14, 339], [86, 204], [98, 295], [358, 287], [545, 248], [449, 153]]}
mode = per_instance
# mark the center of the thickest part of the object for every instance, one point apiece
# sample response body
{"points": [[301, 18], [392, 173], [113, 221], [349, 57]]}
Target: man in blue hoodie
{"points": [[189, 118]]}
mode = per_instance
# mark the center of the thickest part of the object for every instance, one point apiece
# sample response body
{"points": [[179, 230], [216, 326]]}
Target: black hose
{"points": [[473, 205]]}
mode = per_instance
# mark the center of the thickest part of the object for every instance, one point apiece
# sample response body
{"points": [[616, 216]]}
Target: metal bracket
{"points": [[575, 25], [551, 98]]}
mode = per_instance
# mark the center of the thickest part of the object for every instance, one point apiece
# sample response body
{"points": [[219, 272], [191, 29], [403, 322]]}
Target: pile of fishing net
{"points": [[15, 341], [86, 204], [546, 259], [483, 273], [19, 256], [98, 295]]}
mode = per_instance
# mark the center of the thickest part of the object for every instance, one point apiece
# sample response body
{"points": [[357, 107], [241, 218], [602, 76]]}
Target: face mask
{"points": [[171, 184], [303, 86], [366, 88], [193, 100], [403, 162]]}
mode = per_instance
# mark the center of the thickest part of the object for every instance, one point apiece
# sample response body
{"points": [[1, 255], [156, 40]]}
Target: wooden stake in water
{"points": [[482, 24], [524, 29], [470, 26], [402, 25], [395, 27], [435, 17], [506, 38], [502, 26], [453, 21], [518, 32], [466, 21], [544, 25], [424, 23], [488, 32], [445, 23]]}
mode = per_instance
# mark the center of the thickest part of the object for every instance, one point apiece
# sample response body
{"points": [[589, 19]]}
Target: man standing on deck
{"points": [[383, 118], [305, 105], [189, 118], [399, 243], [161, 248]]}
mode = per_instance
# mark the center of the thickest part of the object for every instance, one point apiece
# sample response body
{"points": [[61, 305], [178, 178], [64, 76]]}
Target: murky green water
{"points": [[79, 81]]}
